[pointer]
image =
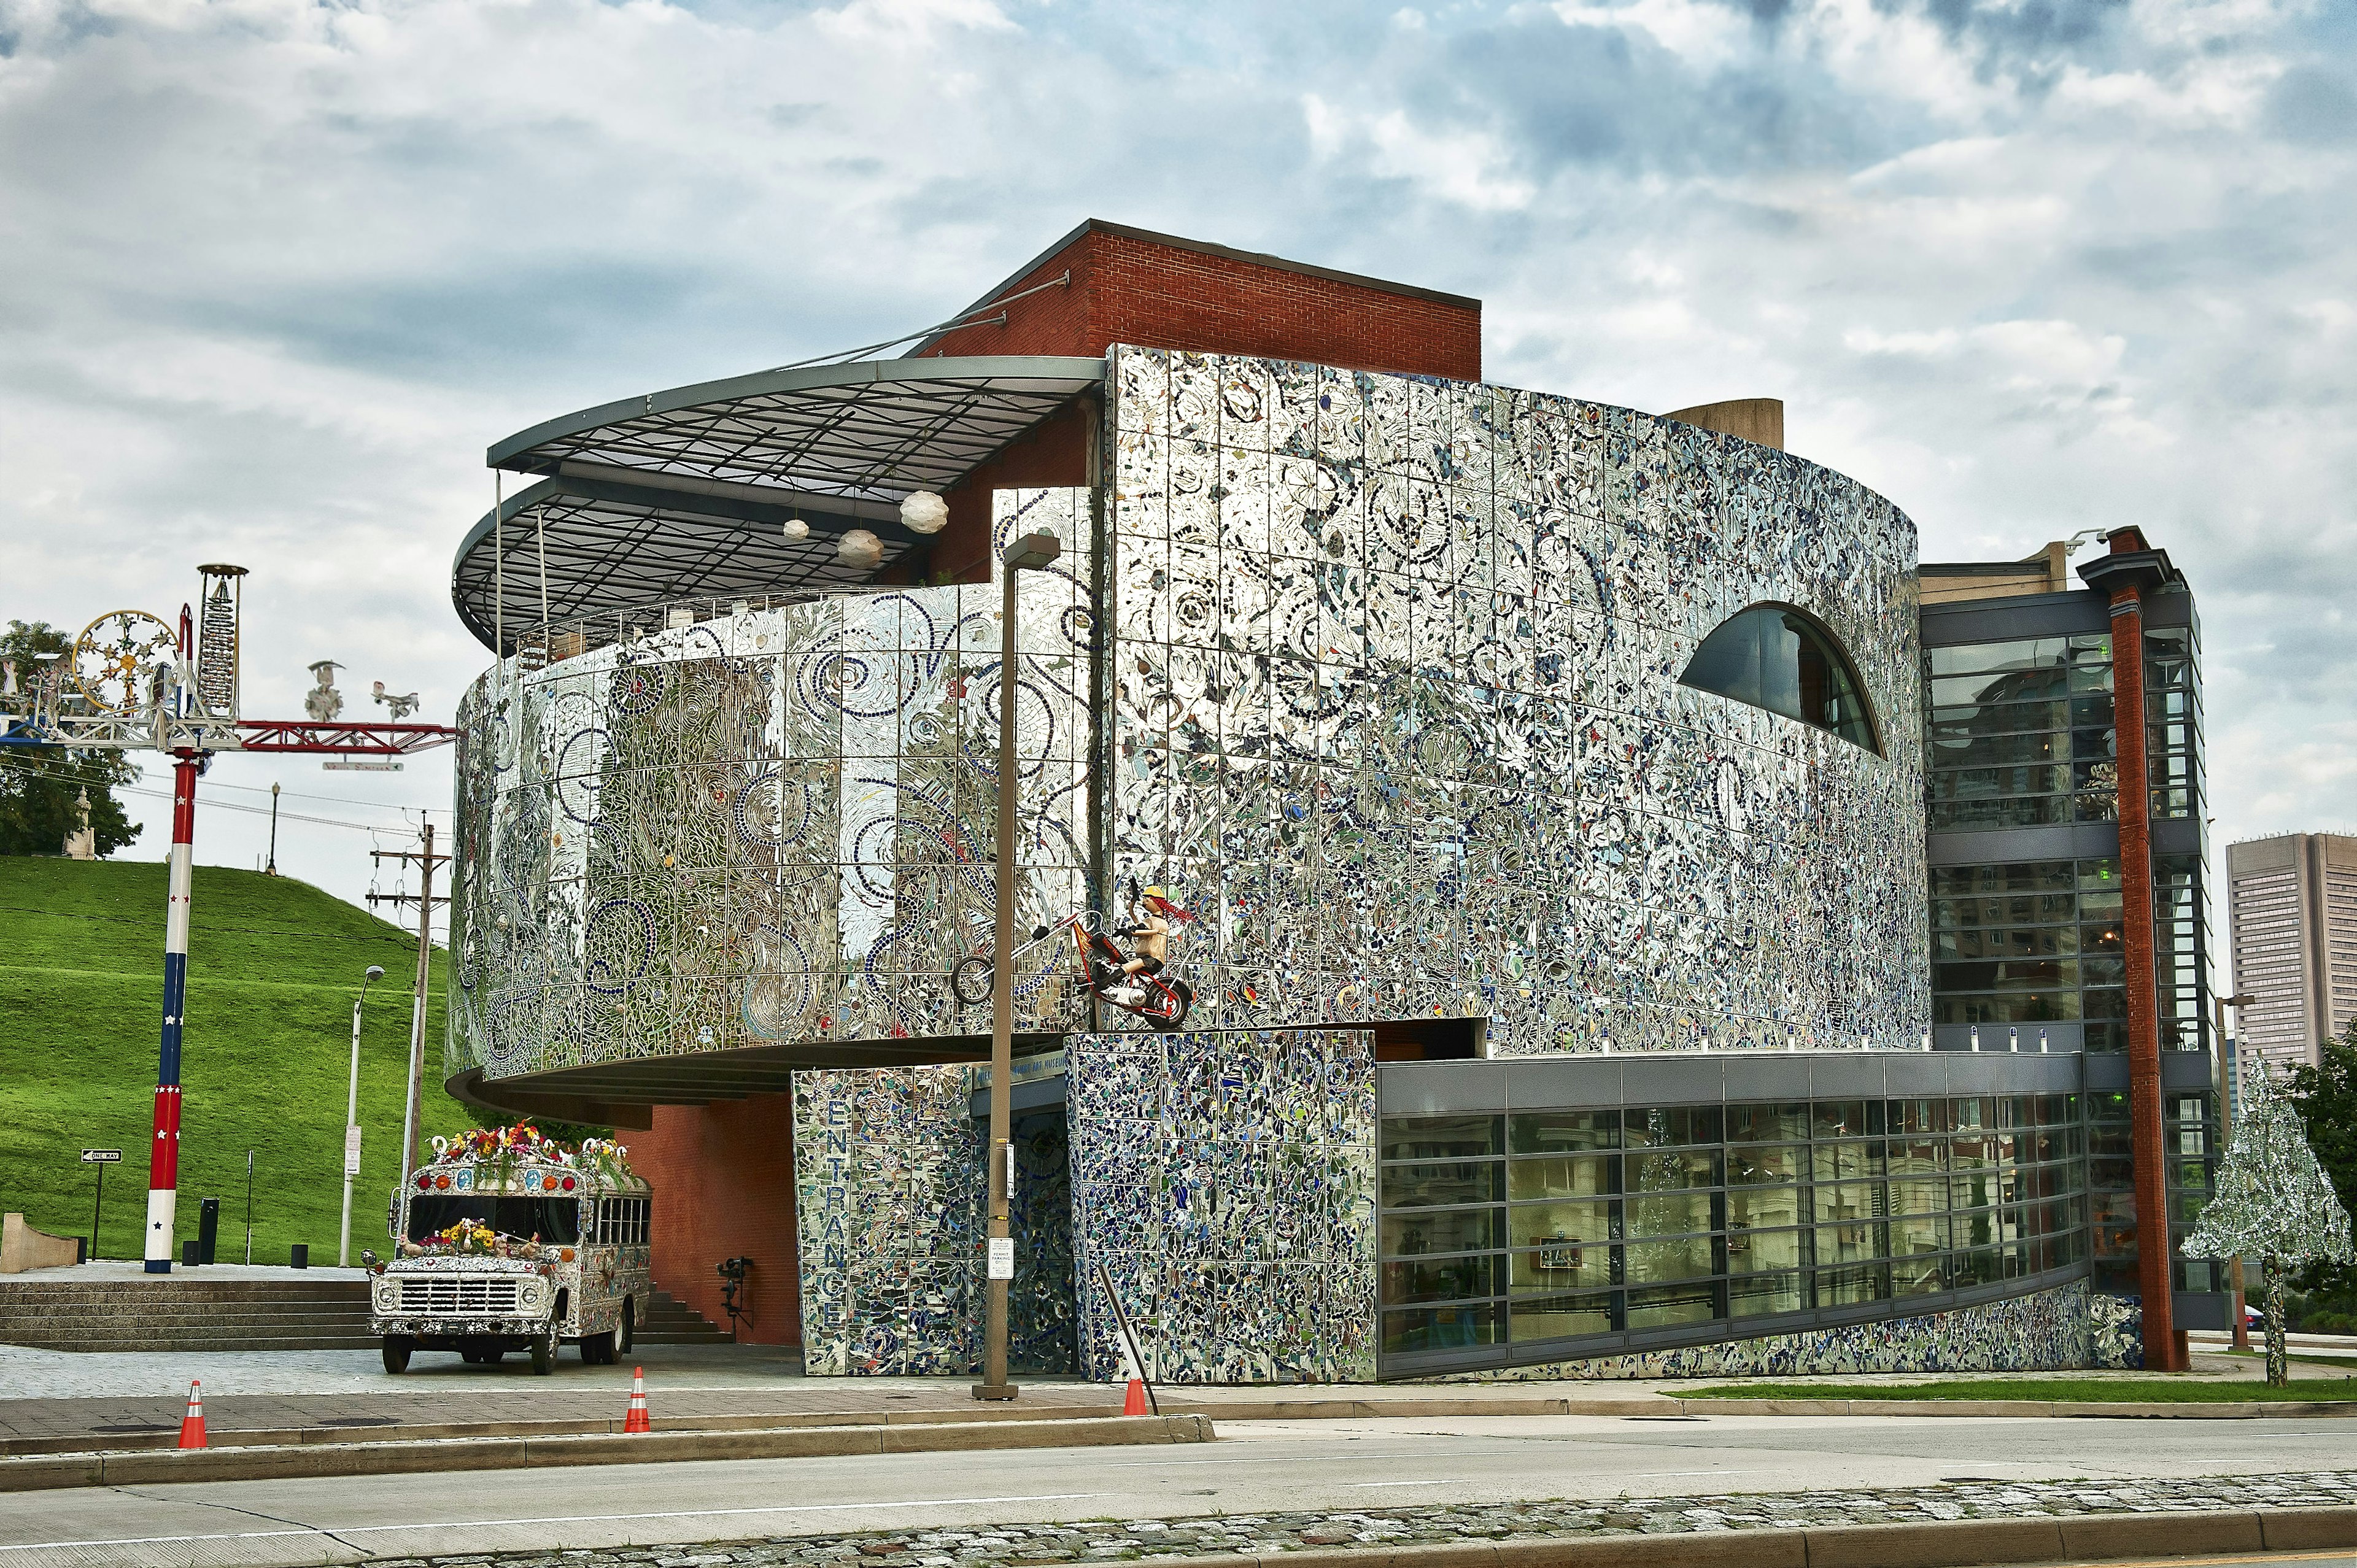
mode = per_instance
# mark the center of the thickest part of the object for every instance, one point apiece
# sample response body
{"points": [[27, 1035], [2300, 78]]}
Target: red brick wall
{"points": [[724, 1181], [1125, 289], [1053, 454]]}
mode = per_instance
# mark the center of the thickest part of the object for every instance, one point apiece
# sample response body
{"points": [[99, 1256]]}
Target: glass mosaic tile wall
{"points": [[887, 1170], [1226, 1182], [772, 825], [1503, 1233], [1396, 704]]}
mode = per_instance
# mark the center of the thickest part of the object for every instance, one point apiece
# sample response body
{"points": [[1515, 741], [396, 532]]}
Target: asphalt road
{"points": [[1255, 1466]]}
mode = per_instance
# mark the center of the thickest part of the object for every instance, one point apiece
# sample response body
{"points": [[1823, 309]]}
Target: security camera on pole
{"points": [[353, 1123]]}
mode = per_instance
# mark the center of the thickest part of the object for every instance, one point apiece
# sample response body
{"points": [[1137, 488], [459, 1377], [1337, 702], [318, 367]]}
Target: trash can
{"points": [[208, 1229], [191, 1253], [298, 1256]]}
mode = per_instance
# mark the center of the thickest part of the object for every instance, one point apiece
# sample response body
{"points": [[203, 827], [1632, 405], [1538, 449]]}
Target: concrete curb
{"points": [[250, 1463], [2138, 1409], [1946, 1543], [405, 1431]]}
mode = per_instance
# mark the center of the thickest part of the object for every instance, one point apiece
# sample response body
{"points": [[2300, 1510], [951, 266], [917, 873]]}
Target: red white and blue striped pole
{"points": [[164, 1156]]}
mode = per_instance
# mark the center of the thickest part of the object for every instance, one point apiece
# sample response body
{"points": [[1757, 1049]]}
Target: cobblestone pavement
{"points": [[1109, 1541]]}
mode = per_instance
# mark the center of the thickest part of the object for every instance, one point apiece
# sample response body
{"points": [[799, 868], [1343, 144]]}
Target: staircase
{"points": [[672, 1322], [180, 1313]]}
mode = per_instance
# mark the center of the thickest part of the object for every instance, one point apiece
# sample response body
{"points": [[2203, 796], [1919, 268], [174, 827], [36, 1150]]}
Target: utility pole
{"points": [[426, 860]]}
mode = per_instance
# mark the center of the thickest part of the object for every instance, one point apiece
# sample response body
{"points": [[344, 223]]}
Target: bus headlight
{"points": [[531, 1295], [388, 1295]]}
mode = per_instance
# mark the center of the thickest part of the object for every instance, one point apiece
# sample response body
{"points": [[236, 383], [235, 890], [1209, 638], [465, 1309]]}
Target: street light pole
{"points": [[1025, 554], [351, 1126], [272, 868], [2225, 1132]]}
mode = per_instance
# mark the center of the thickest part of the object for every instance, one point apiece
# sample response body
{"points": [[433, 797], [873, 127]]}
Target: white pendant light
{"points": [[924, 512], [795, 529], [860, 549]]}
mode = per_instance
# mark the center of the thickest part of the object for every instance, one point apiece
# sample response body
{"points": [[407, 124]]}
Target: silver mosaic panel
{"points": [[1393, 706], [772, 825], [1226, 1182], [2047, 1330]]}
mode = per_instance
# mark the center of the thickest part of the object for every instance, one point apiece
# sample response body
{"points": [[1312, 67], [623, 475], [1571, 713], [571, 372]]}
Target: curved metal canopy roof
{"points": [[681, 494]]}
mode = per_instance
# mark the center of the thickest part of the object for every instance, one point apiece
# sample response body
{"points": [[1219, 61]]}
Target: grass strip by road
{"points": [[2067, 1391]]}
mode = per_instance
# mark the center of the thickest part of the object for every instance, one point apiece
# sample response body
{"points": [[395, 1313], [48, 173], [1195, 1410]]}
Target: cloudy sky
{"points": [[276, 272]]}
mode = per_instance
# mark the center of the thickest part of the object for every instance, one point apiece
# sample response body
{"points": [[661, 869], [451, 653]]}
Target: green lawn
{"points": [[274, 965], [2139, 1391]]}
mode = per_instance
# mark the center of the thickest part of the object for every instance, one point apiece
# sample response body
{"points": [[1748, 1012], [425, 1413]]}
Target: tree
{"points": [[2325, 1096], [40, 785], [2273, 1203]]}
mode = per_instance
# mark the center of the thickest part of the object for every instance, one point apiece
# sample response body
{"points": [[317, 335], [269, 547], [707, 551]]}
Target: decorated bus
{"points": [[510, 1241]]}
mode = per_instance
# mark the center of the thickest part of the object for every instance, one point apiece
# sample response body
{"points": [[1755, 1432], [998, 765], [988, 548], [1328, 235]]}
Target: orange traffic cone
{"points": [[192, 1426], [637, 1420], [1135, 1404]]}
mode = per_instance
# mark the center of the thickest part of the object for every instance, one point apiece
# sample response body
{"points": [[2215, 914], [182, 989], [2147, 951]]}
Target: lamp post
{"points": [[352, 1124], [1028, 553], [2226, 1134], [272, 868]]}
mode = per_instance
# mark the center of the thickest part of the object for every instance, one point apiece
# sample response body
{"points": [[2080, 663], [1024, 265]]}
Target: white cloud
{"points": [[279, 271]]}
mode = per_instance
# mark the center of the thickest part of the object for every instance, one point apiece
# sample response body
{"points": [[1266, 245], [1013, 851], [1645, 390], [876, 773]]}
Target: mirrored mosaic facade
{"points": [[1394, 682], [1378, 676], [769, 826], [1225, 1183]]}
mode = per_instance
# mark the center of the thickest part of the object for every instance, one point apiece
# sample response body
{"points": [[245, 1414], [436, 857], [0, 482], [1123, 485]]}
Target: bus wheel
{"points": [[630, 1328], [544, 1355], [396, 1354]]}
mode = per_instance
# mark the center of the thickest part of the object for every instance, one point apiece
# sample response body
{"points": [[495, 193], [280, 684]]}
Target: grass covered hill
{"points": [[274, 965]]}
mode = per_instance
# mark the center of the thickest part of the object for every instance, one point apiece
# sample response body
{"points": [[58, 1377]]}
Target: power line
{"points": [[21, 765]]}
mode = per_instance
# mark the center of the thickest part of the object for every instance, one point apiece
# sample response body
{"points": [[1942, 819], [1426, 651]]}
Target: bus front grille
{"points": [[460, 1295]]}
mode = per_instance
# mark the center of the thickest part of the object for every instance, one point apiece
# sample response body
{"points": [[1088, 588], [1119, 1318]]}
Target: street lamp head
{"points": [[376, 972], [1032, 551]]}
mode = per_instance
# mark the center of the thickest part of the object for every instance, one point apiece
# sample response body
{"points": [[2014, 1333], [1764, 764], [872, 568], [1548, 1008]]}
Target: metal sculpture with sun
{"points": [[133, 682]]}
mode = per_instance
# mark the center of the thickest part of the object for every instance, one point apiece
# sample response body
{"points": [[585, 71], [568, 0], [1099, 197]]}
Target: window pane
{"points": [[1666, 1171], [1672, 1124], [1566, 1132], [1646, 1262], [1757, 1207], [1849, 1200], [1534, 1224], [1755, 1294], [1561, 1317], [1438, 1137], [1766, 1124], [1756, 1166], [1440, 1231], [1851, 1243], [1913, 1235], [1847, 1162], [1758, 1251], [1845, 1287], [1425, 1187], [1588, 1176], [1665, 1306], [1918, 1275], [1566, 1264], [1440, 1328], [1838, 1119], [1443, 1279], [1668, 1214]]}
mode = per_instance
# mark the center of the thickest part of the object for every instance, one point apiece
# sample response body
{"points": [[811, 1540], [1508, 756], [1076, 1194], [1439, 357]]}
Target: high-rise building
{"points": [[2293, 900]]}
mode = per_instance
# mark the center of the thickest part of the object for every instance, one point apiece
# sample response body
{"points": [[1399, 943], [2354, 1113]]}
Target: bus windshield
{"points": [[524, 1218]]}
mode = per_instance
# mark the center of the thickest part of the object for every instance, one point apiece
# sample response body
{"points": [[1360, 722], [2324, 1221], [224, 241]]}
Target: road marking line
{"points": [[1451, 1481], [559, 1519]]}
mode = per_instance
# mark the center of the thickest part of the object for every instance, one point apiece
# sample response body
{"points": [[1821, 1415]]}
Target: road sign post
{"points": [[102, 1158]]}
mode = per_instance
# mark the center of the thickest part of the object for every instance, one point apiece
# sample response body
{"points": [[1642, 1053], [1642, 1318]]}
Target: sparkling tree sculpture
{"points": [[2274, 1203]]}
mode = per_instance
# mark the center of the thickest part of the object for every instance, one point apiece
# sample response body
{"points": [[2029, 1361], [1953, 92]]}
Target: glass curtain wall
{"points": [[1548, 1228], [2190, 1136]]}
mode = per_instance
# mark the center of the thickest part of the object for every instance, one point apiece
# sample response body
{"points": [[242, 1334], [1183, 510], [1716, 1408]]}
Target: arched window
{"points": [[1773, 657]]}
